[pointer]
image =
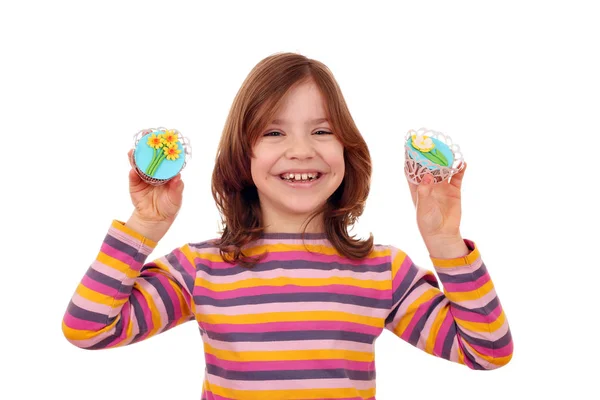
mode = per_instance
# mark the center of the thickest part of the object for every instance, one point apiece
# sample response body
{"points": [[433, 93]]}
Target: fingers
{"points": [[130, 157], [413, 192], [456, 179]]}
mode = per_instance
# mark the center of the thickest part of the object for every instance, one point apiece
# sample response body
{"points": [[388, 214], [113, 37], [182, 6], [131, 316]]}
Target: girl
{"points": [[288, 304]]}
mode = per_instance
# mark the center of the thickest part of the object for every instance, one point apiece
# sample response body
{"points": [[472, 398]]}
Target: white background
{"points": [[515, 83]]}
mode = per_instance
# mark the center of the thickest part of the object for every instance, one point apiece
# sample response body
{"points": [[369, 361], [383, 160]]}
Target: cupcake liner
{"points": [[416, 170], [142, 135]]}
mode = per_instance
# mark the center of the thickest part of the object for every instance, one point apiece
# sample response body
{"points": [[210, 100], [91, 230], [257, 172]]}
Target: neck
{"points": [[292, 224]]}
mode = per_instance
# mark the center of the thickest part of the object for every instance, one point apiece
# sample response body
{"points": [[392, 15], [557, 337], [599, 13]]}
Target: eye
{"points": [[273, 133], [323, 133]]}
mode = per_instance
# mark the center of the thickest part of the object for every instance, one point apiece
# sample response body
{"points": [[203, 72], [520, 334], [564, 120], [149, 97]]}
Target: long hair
{"points": [[253, 108]]}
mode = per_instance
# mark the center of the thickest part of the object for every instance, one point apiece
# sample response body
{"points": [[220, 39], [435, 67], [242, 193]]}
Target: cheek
{"points": [[335, 158]]}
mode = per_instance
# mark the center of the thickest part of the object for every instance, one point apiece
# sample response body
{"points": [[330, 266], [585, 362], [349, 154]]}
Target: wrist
{"points": [[447, 247], [153, 230]]}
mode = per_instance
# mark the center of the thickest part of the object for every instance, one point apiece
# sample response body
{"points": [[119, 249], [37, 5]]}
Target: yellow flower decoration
{"points": [[422, 143], [170, 137], [156, 142], [172, 151]]}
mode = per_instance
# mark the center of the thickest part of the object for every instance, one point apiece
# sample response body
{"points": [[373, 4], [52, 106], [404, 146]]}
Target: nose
{"points": [[300, 147]]}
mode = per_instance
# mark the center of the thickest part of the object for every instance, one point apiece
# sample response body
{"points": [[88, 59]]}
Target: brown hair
{"points": [[252, 110]]}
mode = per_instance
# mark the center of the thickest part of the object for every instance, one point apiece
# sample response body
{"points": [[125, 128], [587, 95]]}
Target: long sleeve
{"points": [[121, 300], [465, 323]]}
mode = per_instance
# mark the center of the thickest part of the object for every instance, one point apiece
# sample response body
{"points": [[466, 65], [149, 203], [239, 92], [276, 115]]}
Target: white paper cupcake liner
{"points": [[416, 170]]}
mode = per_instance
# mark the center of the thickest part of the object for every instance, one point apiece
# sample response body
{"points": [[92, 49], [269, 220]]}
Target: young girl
{"points": [[289, 305]]}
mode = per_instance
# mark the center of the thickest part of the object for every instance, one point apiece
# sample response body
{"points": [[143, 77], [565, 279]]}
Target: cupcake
{"points": [[428, 151], [159, 154]]}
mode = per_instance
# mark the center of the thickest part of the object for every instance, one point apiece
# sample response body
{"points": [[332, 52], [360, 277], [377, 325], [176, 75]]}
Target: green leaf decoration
{"points": [[432, 158], [441, 156]]}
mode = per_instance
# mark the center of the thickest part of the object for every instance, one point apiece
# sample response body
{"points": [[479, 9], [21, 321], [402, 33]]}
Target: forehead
{"points": [[303, 101]]}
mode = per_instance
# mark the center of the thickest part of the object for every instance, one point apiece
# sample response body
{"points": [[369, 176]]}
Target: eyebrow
{"points": [[314, 121]]}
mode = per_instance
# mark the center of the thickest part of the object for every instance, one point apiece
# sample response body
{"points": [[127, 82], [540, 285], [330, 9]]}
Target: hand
{"points": [[439, 211], [155, 206]]}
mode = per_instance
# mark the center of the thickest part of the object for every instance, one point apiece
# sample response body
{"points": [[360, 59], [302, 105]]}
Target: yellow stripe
{"points": [[299, 316], [119, 225], [435, 328], [308, 394], [408, 315], [492, 360], [397, 262], [94, 296], [478, 293], [456, 262], [117, 265], [289, 355], [283, 281], [482, 326]]}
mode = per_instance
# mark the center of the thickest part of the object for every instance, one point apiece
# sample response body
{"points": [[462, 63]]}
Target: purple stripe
{"points": [[292, 336], [290, 374]]}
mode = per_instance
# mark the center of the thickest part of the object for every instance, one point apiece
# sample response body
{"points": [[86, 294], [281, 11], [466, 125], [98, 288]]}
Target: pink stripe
{"points": [[259, 290], [111, 272], [293, 326], [208, 395], [476, 303], [475, 317], [188, 267], [290, 384], [442, 333], [316, 344], [401, 273], [119, 255], [382, 277], [211, 396], [88, 305], [250, 309], [467, 286], [101, 288], [289, 365], [80, 324]]}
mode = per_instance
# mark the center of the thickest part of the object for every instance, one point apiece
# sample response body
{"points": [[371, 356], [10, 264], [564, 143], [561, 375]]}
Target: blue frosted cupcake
{"points": [[160, 154], [431, 152]]}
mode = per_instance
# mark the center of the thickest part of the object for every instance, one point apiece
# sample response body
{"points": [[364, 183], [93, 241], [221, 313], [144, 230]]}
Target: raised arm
{"points": [[121, 300], [464, 323]]}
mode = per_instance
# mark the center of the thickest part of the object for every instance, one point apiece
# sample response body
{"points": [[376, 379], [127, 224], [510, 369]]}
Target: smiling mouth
{"points": [[301, 177]]}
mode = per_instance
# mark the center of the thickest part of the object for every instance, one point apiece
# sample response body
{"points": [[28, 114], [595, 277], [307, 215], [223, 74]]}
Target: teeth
{"points": [[299, 177]]}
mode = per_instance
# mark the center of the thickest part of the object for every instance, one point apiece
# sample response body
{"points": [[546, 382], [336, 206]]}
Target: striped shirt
{"points": [[301, 324]]}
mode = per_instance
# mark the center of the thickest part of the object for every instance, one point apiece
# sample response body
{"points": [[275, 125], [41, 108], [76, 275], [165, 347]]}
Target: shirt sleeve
{"points": [[121, 300], [464, 323]]}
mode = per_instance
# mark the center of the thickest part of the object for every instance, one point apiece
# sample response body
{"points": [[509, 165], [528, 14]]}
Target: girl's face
{"points": [[298, 163]]}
